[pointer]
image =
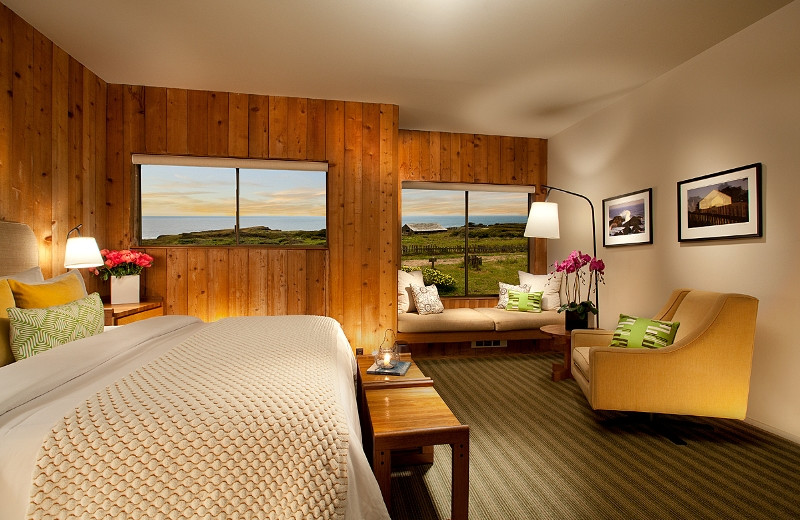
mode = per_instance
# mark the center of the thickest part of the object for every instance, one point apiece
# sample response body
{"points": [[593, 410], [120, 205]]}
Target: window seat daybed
{"points": [[465, 324]]}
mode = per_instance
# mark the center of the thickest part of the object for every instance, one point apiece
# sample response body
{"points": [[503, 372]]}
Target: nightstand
{"points": [[124, 313]]}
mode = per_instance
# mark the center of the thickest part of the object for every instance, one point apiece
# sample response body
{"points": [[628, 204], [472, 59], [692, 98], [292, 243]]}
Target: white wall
{"points": [[736, 104]]}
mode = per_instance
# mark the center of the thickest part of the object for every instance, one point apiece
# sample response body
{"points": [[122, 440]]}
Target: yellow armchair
{"points": [[705, 372]]}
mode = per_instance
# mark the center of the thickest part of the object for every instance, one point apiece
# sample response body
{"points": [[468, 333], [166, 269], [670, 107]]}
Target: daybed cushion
{"points": [[505, 320], [405, 301], [447, 321], [549, 284]]}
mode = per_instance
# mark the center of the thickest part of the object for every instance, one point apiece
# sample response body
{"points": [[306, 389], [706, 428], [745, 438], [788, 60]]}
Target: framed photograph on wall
{"points": [[726, 204], [628, 219]]}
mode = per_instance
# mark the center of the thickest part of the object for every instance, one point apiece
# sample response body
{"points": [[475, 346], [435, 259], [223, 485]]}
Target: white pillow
{"points": [[427, 299], [503, 292], [549, 284], [28, 276], [405, 301]]}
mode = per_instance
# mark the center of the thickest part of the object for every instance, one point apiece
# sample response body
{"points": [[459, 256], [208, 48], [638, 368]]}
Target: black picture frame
{"points": [[722, 205], [628, 219]]}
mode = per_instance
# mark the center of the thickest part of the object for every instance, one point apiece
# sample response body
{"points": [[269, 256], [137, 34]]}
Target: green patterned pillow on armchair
{"points": [[633, 332]]}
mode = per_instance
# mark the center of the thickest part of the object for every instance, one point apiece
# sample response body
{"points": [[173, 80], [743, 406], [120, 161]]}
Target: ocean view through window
{"points": [[240, 204], [474, 238]]}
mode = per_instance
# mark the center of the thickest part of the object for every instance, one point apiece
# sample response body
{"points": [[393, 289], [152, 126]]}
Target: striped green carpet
{"points": [[538, 451]]}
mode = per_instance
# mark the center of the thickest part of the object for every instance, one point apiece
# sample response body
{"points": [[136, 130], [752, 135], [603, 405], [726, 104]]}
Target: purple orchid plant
{"points": [[576, 277]]}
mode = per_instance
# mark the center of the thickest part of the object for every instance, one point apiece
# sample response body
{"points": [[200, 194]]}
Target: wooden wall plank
{"points": [[390, 216], [257, 282], [425, 156], [435, 160], [21, 191], [218, 124], [353, 211], [520, 160], [197, 282], [155, 116], [115, 192], [238, 125], [59, 213], [480, 159], [133, 141], [218, 290], [100, 145], [177, 300], [154, 278], [177, 121], [88, 152], [334, 151], [277, 282], [316, 282], [445, 169], [258, 127], [296, 128], [238, 283], [455, 158], [315, 141], [42, 152], [296, 281], [197, 117], [75, 136], [278, 127], [6, 130], [371, 223], [507, 159], [467, 155]]}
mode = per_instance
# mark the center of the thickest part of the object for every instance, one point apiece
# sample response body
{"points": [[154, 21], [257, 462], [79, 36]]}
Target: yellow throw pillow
{"points": [[66, 290], [6, 301]]}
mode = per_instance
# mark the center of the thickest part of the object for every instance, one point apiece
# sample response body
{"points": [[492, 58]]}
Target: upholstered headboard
{"points": [[18, 248]]}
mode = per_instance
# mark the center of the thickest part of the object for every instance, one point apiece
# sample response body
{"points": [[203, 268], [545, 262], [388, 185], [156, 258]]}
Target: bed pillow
{"points": [[405, 301], [524, 301], [36, 330], [6, 301], [633, 332], [548, 284], [503, 292], [427, 299], [32, 275], [57, 291]]}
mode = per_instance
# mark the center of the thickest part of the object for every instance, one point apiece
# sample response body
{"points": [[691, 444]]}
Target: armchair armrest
{"points": [[591, 338]]}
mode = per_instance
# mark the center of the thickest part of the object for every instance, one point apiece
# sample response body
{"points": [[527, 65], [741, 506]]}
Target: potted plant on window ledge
{"points": [[575, 277]]}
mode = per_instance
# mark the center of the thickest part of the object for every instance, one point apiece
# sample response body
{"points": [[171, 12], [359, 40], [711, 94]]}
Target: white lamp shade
{"points": [[82, 252], [543, 220]]}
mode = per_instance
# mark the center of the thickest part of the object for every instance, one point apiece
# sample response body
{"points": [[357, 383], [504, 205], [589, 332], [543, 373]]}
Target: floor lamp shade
{"points": [[543, 220], [82, 252]]}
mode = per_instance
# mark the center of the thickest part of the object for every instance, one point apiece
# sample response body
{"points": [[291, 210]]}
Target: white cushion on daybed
{"points": [[447, 321], [515, 320]]}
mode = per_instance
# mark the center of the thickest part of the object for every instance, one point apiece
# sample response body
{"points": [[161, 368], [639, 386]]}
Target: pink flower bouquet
{"points": [[122, 263], [574, 265]]}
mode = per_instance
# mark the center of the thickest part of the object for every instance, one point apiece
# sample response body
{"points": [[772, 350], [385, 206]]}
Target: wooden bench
{"points": [[410, 417]]}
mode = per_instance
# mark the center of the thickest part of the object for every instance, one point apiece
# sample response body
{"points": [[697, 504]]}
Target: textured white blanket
{"points": [[238, 421]]}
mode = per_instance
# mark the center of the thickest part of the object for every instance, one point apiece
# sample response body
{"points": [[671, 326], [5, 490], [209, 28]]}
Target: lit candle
{"points": [[387, 358]]}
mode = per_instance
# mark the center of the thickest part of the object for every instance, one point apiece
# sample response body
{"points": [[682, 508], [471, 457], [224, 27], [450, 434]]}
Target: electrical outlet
{"points": [[359, 352]]}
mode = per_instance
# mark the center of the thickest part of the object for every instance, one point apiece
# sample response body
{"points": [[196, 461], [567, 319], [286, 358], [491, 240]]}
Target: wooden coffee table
{"points": [[562, 337], [403, 418]]}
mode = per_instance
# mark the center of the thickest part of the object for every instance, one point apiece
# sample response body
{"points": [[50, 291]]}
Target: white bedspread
{"points": [[40, 392]]}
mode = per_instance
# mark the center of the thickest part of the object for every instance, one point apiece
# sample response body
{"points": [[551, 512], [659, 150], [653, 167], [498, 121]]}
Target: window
{"points": [[475, 236], [209, 202]]}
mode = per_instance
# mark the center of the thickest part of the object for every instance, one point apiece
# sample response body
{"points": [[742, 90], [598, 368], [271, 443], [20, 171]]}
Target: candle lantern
{"points": [[387, 356]]}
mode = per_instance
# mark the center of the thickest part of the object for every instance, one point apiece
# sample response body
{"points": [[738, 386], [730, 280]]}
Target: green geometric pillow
{"points": [[635, 332], [37, 330], [524, 301]]}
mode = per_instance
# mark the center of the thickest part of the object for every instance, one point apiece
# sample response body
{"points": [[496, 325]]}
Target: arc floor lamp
{"points": [[543, 223]]}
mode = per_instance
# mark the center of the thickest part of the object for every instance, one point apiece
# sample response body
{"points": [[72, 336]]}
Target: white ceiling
{"points": [[510, 67]]}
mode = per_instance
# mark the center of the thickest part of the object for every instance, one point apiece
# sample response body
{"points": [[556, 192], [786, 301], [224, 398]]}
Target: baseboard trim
{"points": [[771, 429]]}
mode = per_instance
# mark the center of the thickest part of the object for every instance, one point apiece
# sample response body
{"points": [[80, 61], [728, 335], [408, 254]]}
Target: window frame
{"points": [[465, 188], [138, 160]]}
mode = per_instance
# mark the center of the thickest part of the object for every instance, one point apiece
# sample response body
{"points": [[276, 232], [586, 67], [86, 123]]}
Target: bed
{"points": [[175, 418]]}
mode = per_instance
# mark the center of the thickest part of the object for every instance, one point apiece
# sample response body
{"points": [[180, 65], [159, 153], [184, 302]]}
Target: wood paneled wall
{"points": [[66, 139], [353, 280], [52, 141], [476, 158]]}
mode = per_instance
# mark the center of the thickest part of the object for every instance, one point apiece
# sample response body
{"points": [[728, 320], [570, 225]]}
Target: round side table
{"points": [[563, 337]]}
